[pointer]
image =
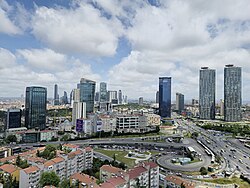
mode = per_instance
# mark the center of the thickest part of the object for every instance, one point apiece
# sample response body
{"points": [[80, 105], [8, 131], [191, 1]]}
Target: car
{"points": [[247, 167]]}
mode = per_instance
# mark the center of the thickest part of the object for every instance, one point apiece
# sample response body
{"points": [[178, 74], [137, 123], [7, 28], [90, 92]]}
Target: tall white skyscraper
{"points": [[78, 112]]}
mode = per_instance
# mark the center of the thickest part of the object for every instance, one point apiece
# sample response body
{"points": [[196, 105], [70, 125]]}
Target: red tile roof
{"points": [[88, 149], [84, 178], [115, 181], [57, 159], [135, 172], [178, 181], [9, 168], [111, 169], [151, 164], [48, 163], [31, 169]]}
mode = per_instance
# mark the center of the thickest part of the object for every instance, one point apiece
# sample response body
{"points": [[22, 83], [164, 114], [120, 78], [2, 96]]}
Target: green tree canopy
{"points": [[49, 178]]}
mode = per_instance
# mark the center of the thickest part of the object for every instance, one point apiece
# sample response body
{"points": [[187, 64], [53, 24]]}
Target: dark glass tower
{"points": [[35, 107], [207, 93], [87, 93], [165, 97], [232, 93], [56, 95], [13, 119]]}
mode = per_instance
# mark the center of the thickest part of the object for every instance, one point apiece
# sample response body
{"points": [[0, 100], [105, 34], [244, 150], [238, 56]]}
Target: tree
{"points": [[49, 178], [65, 183], [203, 171], [11, 138]]}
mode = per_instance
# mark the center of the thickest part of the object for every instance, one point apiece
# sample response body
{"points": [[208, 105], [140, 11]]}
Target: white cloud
{"points": [[44, 59], [19, 73], [175, 40], [6, 25], [77, 30]]}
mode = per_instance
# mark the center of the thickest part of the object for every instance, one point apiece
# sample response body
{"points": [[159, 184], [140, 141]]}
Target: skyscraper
{"points": [[120, 97], [87, 93], [13, 119], [78, 112], [103, 92], [35, 107], [56, 95], [157, 97], [179, 102], [165, 97], [112, 95], [65, 98], [232, 93], [140, 101], [207, 93]]}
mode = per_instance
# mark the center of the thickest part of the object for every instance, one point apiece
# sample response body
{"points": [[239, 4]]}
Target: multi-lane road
{"points": [[235, 154]]}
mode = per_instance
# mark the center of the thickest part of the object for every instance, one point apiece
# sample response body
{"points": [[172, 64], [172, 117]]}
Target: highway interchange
{"points": [[235, 155]]}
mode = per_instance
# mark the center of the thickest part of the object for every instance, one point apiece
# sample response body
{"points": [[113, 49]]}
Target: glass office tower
{"points": [[13, 119], [207, 93], [35, 107], [179, 102], [232, 93], [87, 93], [103, 92], [165, 97]]}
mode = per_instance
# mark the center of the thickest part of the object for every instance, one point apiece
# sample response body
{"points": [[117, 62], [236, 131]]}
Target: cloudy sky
{"points": [[126, 43]]}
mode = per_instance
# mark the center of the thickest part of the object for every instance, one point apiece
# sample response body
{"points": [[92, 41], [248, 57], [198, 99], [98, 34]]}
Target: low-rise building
{"points": [[29, 177], [177, 182], [109, 171], [153, 119], [85, 181], [10, 170], [115, 182]]}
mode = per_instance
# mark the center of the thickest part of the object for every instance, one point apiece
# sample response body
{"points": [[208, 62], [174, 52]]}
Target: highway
{"points": [[235, 154]]}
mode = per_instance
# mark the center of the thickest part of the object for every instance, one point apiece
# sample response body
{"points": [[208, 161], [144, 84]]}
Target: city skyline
{"points": [[119, 52]]}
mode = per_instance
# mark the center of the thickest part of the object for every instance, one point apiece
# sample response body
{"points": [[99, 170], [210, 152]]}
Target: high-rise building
{"points": [[87, 93], [97, 97], [65, 98], [126, 99], [112, 95], [120, 97], [76, 95], [165, 97], [78, 111], [232, 93], [103, 92], [207, 93], [157, 97], [179, 102], [140, 101], [35, 107], [13, 118], [56, 95]]}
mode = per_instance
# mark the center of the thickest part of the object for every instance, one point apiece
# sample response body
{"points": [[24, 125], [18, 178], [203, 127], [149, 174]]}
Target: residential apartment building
{"points": [[10, 170], [145, 174], [85, 181], [29, 177], [177, 182]]}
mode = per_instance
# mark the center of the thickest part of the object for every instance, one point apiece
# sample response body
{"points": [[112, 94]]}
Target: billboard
{"points": [[79, 125]]}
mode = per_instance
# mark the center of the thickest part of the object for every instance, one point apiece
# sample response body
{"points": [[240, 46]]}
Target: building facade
{"points": [[112, 95], [232, 93], [207, 93], [87, 93], [78, 111], [56, 95], [120, 97], [140, 102], [103, 92], [165, 97], [157, 97], [35, 107], [179, 102], [13, 118]]}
